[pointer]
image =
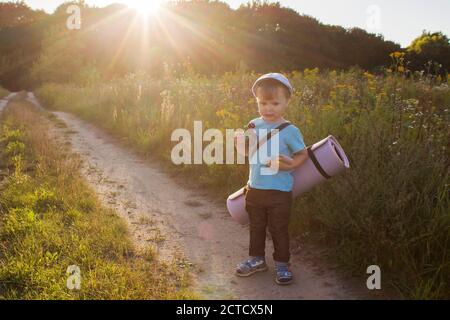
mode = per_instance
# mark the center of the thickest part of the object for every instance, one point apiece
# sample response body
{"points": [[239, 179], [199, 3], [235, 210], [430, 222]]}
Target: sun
{"points": [[146, 6]]}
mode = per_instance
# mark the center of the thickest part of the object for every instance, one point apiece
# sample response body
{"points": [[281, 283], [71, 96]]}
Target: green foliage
{"points": [[429, 41], [430, 47], [17, 221], [18, 13], [14, 147], [21, 33]]}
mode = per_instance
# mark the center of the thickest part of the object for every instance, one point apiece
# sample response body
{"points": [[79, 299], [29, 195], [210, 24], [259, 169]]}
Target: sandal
{"points": [[251, 266]]}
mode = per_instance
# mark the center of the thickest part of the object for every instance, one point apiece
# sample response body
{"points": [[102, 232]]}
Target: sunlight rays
{"points": [[146, 7]]}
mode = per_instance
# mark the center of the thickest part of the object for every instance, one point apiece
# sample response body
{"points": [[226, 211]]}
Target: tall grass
{"points": [[391, 209], [3, 92], [50, 219]]}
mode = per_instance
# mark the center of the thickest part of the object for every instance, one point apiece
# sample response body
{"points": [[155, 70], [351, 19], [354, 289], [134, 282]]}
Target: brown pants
{"points": [[270, 208]]}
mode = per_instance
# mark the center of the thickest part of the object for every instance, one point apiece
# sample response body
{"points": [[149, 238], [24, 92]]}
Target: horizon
{"points": [[377, 17]]}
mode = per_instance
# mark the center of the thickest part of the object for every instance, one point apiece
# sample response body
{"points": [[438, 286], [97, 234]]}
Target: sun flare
{"points": [[146, 6]]}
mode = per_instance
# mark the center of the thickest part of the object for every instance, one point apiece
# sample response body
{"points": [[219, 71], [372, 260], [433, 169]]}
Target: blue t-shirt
{"points": [[290, 141]]}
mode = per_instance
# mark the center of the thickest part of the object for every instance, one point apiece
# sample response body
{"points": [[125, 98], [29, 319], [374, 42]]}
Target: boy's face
{"points": [[272, 106]]}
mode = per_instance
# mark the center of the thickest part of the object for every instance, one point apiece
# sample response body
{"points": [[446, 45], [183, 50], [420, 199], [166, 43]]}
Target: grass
{"points": [[50, 220], [3, 92], [391, 209]]}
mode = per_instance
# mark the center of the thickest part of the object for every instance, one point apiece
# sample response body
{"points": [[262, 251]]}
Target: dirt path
{"points": [[183, 222]]}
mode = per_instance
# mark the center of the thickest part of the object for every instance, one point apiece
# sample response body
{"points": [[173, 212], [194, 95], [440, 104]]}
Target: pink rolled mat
{"points": [[326, 159]]}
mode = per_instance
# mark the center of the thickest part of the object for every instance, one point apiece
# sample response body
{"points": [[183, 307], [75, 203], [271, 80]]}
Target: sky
{"points": [[397, 20]]}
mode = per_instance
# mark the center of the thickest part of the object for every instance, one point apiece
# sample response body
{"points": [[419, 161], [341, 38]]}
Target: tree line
{"points": [[204, 36]]}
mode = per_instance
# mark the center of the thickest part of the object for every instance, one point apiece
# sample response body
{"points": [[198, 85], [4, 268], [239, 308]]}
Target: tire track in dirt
{"points": [[183, 223]]}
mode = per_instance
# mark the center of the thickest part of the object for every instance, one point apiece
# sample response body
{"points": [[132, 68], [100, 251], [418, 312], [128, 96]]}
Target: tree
{"points": [[13, 14], [434, 47]]}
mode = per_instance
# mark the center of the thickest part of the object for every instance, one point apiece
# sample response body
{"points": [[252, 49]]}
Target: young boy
{"points": [[269, 196]]}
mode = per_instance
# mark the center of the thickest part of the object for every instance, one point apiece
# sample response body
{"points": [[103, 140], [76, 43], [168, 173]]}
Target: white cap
{"points": [[276, 76]]}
